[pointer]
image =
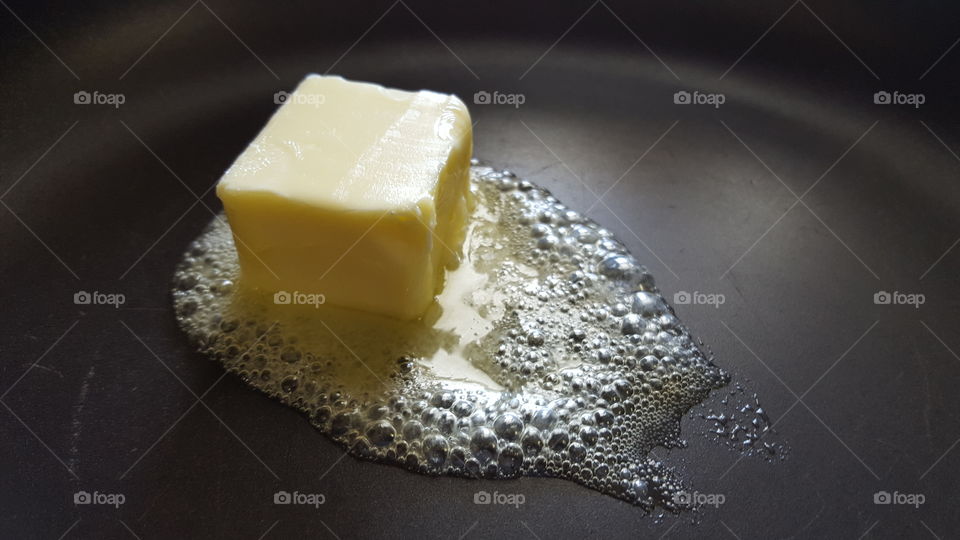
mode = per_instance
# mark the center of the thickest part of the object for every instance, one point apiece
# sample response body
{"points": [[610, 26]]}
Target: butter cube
{"points": [[356, 192]]}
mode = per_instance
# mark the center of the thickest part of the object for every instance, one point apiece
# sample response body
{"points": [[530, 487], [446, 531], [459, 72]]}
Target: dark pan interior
{"points": [[98, 198]]}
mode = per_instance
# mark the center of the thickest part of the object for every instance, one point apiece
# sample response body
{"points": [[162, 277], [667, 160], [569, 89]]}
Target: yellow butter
{"points": [[356, 192]]}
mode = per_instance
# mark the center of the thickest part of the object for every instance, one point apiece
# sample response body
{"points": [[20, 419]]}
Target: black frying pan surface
{"points": [[101, 198]]}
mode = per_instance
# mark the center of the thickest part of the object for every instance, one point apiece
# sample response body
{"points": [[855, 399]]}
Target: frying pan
{"points": [[800, 199]]}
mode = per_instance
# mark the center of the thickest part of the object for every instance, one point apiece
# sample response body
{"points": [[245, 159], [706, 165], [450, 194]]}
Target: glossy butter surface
{"points": [[356, 192]]}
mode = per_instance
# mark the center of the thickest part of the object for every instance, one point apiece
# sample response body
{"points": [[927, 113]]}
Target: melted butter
{"points": [[549, 352]]}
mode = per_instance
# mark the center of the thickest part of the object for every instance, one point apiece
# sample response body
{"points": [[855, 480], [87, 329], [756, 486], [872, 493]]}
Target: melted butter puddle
{"points": [[459, 316], [548, 353]]}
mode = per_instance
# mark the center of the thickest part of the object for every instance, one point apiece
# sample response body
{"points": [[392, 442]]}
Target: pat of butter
{"points": [[354, 191]]}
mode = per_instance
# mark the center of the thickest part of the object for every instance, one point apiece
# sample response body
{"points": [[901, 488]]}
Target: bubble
{"points": [[290, 355], [632, 324], [558, 440], [584, 234], [646, 304], [535, 338], [483, 445], [508, 426], [589, 435], [381, 433], [446, 422], [617, 267], [577, 452], [510, 459], [412, 430], [340, 424], [603, 417], [530, 440], [462, 408], [544, 418], [289, 384], [435, 450], [443, 400]]}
